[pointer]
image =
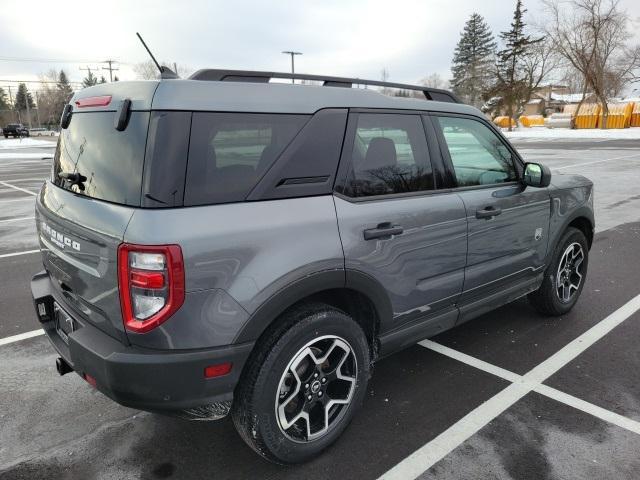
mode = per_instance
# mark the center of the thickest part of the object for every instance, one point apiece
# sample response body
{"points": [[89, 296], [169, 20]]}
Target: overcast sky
{"points": [[338, 37]]}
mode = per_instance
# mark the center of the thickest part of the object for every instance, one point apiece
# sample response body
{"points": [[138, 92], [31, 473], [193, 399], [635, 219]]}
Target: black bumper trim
{"points": [[162, 381]]}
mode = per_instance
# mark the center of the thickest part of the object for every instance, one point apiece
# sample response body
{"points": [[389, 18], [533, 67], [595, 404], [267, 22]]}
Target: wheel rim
{"points": [[569, 275], [316, 388]]}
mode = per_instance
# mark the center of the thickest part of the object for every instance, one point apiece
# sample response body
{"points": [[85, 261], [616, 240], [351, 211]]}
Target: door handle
{"points": [[383, 230], [488, 212]]}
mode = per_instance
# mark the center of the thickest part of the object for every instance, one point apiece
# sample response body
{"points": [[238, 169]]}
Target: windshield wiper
{"points": [[74, 178]]}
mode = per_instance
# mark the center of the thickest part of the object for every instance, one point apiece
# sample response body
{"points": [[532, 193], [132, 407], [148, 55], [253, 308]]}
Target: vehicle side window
{"points": [[229, 153], [389, 156], [478, 155]]}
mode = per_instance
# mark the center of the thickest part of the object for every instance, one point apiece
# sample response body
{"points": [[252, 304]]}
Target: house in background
{"points": [[549, 99]]}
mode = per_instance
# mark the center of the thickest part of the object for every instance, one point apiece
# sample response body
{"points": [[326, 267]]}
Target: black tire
{"points": [[546, 299], [259, 390]]}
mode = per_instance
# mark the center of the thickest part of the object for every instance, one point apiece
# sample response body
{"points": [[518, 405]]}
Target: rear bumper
{"points": [[165, 381]]}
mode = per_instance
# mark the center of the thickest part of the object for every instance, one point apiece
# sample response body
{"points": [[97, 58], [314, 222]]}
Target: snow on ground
{"points": [[566, 133], [25, 156], [25, 143]]}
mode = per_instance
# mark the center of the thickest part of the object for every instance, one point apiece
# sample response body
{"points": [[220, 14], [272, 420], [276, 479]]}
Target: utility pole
{"points": [[26, 101], [38, 109], [111, 68], [293, 54]]}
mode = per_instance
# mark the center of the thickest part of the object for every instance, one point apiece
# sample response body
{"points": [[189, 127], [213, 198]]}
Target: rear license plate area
{"points": [[65, 325]]}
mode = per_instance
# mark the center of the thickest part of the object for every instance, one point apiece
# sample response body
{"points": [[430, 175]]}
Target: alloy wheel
{"points": [[569, 275], [316, 388]]}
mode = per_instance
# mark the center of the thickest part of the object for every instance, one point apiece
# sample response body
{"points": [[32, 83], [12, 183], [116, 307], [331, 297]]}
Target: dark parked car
{"points": [[15, 130], [223, 244]]}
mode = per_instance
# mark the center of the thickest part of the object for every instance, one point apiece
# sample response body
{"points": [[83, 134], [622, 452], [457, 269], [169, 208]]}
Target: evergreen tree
{"points": [[472, 60], [102, 79], [23, 98], [90, 80], [512, 82], [115, 78], [64, 88]]}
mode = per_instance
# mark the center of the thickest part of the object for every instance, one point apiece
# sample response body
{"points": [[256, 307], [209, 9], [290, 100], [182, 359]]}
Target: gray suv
{"points": [[226, 244]]}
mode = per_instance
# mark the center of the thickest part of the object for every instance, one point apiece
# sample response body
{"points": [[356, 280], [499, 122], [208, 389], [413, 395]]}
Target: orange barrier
{"points": [[635, 115], [532, 121], [588, 116], [619, 115], [503, 121]]}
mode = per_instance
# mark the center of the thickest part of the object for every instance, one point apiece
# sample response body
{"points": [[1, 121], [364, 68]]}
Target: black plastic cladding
{"points": [[308, 165]]}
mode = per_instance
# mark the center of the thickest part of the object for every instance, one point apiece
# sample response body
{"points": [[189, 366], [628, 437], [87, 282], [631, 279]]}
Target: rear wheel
{"points": [[303, 385], [565, 276]]}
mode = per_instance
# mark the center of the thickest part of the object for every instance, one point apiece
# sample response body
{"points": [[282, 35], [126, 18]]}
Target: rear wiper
{"points": [[73, 178]]}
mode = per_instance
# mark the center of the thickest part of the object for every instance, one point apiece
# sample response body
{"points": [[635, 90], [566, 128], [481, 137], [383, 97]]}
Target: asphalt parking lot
{"points": [[510, 395]]}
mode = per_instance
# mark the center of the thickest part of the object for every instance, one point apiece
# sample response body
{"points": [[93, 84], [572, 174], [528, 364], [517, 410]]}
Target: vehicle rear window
{"points": [[107, 164], [229, 153]]}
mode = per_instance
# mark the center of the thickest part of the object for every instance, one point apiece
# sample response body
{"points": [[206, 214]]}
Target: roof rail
{"points": [[264, 77]]}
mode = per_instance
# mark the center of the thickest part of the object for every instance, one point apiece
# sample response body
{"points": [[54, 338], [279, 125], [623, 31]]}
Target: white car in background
{"points": [[42, 132]]}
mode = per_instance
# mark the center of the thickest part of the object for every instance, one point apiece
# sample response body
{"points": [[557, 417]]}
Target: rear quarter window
{"points": [[109, 162], [230, 152]]}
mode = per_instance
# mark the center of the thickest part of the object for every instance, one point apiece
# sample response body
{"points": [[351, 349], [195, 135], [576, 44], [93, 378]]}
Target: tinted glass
{"points": [[167, 151], [478, 155], [389, 156], [229, 153], [107, 164]]}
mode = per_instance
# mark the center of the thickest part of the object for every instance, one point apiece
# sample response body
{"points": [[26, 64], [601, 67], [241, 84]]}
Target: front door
{"points": [[395, 226], [507, 222]]}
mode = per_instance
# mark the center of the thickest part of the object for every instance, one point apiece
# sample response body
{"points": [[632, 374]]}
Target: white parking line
{"points": [[15, 254], [529, 381], [20, 189], [21, 199], [18, 219], [21, 336], [625, 157], [432, 452]]}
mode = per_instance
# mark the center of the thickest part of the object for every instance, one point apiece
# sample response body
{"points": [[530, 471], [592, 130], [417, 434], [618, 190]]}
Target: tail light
{"points": [[151, 282]]}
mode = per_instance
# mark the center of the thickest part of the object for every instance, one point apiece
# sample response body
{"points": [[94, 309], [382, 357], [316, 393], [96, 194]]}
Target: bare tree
{"points": [[541, 60], [148, 70], [434, 80], [593, 36]]}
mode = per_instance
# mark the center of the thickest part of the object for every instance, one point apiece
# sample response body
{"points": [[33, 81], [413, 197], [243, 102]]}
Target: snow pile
{"points": [[632, 133], [25, 143]]}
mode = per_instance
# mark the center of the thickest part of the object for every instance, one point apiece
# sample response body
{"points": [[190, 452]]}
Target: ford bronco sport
{"points": [[226, 244]]}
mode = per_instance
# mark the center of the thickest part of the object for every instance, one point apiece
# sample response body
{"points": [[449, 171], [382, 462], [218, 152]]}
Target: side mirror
{"points": [[536, 175]]}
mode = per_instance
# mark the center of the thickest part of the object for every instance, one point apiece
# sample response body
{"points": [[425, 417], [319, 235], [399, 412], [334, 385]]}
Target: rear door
{"points": [[508, 222], [394, 225]]}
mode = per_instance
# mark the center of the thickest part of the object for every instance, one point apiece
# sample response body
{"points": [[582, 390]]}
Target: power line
{"points": [[35, 81], [42, 60]]}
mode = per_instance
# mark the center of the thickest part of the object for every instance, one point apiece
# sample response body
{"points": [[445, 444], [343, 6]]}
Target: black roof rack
{"points": [[264, 77]]}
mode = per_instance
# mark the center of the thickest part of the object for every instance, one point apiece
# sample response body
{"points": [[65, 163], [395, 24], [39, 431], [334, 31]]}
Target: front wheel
{"points": [[565, 276], [303, 385]]}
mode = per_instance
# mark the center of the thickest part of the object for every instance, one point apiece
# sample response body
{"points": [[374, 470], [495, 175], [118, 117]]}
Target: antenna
{"points": [[165, 72]]}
